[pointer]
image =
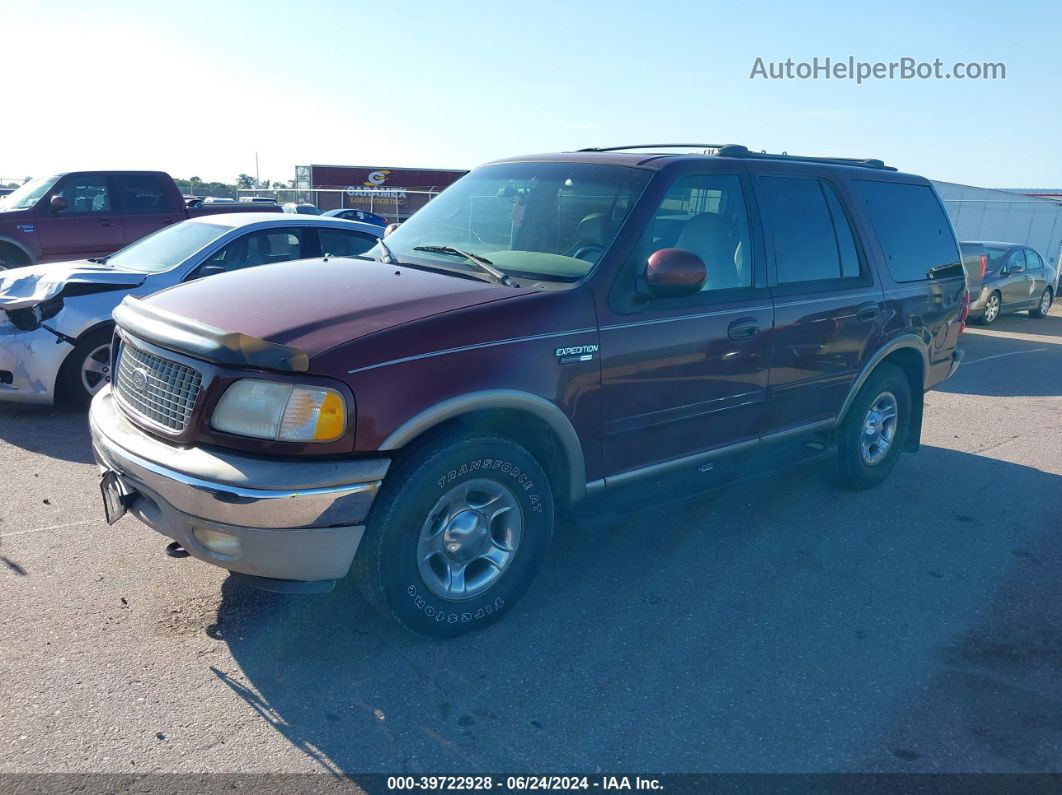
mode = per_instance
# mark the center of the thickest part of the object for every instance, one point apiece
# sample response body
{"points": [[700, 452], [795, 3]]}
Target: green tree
{"points": [[244, 182]]}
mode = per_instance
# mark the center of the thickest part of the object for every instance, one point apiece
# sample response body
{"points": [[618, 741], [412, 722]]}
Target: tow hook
{"points": [[175, 550]]}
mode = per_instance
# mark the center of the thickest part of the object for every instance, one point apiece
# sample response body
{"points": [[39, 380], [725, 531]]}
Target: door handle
{"points": [[868, 311], [743, 329]]}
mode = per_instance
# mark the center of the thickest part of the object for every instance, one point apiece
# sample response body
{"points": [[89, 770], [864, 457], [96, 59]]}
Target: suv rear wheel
{"points": [[457, 535], [875, 428]]}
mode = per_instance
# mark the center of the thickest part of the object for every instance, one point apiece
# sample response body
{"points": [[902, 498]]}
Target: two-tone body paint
{"points": [[665, 382]]}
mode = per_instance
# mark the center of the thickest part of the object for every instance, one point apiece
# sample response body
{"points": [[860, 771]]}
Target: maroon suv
{"points": [[548, 327]]}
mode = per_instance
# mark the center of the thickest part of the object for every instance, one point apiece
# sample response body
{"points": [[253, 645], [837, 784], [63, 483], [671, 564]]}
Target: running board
{"points": [[721, 473]]}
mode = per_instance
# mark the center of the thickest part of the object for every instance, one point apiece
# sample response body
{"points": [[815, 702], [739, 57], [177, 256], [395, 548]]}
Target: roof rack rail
{"points": [[651, 146], [737, 150]]}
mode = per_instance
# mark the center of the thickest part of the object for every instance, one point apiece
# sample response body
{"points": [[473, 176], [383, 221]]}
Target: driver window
{"points": [[85, 194], [706, 215], [1016, 261], [258, 248]]}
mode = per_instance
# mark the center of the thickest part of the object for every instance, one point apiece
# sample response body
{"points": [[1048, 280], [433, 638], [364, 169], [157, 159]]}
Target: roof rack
{"points": [[651, 146], [737, 150]]}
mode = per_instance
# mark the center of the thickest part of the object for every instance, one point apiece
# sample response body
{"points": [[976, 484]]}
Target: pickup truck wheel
{"points": [[1044, 306], [87, 369], [457, 535], [11, 257], [873, 432]]}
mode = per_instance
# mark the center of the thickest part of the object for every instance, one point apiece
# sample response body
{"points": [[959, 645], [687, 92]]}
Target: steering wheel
{"points": [[589, 253]]}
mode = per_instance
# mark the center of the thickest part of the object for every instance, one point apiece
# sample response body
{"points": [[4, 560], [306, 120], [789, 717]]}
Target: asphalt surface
{"points": [[783, 625]]}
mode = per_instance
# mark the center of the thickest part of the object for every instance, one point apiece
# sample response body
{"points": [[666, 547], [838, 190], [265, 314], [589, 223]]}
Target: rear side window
{"points": [[1032, 260], [812, 237], [914, 232], [142, 193]]}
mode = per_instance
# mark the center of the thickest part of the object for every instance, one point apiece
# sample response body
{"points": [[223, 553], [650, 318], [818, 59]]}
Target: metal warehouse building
{"points": [[1011, 216]]}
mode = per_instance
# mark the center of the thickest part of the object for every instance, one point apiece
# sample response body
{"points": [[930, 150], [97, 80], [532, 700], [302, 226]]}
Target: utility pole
{"points": [[257, 176]]}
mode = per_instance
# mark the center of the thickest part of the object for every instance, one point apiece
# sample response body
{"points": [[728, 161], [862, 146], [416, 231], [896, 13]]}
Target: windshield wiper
{"points": [[482, 263], [99, 260], [389, 257]]}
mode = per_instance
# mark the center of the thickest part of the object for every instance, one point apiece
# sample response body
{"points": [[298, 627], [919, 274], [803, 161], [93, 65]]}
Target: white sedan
{"points": [[55, 319]]}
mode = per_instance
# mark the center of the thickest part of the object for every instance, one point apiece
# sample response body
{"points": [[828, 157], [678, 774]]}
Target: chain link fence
{"points": [[394, 204]]}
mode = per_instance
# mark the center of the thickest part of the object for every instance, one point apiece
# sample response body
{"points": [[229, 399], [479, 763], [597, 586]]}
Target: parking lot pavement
{"points": [[783, 625]]}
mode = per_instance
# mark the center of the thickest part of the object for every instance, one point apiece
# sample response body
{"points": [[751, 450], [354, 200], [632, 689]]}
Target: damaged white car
{"points": [[55, 320]]}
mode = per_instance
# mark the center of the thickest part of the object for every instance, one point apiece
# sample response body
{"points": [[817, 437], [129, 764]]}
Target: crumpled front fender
{"points": [[30, 360]]}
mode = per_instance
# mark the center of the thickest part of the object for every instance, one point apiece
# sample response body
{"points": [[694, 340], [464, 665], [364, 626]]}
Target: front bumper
{"points": [[295, 519], [33, 359]]}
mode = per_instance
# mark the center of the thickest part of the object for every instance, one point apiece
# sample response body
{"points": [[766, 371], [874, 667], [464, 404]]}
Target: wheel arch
{"points": [[527, 419], [911, 355], [7, 242]]}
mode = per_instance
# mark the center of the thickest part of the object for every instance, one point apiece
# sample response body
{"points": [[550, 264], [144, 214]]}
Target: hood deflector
{"points": [[183, 335]]}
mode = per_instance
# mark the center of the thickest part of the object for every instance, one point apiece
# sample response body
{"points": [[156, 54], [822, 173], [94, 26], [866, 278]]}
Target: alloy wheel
{"points": [[469, 539], [992, 308], [879, 428], [96, 369]]}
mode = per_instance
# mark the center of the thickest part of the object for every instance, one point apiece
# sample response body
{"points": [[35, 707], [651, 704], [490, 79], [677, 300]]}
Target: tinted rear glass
{"points": [[913, 230]]}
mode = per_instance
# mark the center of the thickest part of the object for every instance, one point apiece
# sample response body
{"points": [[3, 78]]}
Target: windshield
{"points": [[167, 248], [29, 194], [549, 221]]}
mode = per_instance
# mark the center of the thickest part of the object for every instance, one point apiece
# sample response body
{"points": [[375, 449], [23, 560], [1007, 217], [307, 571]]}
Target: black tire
{"points": [[1038, 312], [11, 257], [853, 469], [71, 389], [386, 569]]}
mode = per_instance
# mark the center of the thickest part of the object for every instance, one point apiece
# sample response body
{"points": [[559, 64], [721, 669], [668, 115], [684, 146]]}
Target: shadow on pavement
{"points": [[784, 625], [56, 432]]}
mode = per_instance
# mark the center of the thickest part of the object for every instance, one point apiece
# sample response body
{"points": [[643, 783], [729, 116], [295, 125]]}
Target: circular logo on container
{"points": [[377, 177], [139, 379]]}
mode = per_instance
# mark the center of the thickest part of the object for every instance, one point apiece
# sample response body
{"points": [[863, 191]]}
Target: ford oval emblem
{"points": [[140, 379]]}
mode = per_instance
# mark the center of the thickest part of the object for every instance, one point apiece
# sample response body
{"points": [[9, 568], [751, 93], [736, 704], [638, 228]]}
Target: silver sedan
{"points": [[55, 319]]}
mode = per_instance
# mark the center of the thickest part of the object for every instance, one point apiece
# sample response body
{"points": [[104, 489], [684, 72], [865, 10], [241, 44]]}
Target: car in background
{"points": [[55, 320], [85, 214], [1015, 278], [305, 208], [353, 214], [257, 200]]}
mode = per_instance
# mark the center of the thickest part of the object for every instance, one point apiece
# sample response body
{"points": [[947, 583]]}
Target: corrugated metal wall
{"points": [[986, 214]]}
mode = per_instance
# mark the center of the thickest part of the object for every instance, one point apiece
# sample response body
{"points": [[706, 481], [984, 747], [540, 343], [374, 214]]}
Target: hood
{"points": [[25, 287], [314, 305]]}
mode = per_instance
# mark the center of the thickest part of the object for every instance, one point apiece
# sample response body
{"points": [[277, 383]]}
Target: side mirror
{"points": [[208, 270], [58, 204], [390, 228], [674, 272]]}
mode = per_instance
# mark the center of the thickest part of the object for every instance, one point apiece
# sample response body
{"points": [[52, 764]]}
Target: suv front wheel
{"points": [[458, 534], [875, 429]]}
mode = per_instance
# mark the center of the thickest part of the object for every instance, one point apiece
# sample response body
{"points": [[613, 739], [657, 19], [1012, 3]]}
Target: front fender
{"points": [[507, 399]]}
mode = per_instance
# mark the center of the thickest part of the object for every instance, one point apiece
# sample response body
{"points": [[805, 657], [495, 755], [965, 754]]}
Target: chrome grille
{"points": [[159, 390]]}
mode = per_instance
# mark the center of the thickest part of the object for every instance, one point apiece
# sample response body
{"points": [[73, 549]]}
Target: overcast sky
{"points": [[196, 88]]}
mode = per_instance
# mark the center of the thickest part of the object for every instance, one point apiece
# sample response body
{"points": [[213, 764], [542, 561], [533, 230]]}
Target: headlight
{"points": [[285, 412]]}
